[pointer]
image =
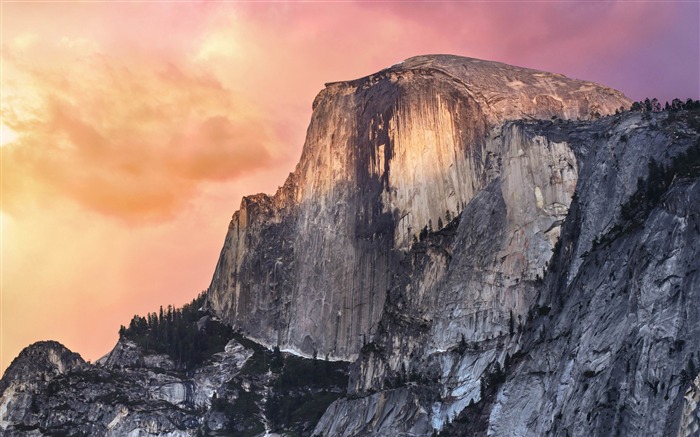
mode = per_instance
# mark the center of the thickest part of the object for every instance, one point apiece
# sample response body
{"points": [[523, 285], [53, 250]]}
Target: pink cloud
{"points": [[130, 140]]}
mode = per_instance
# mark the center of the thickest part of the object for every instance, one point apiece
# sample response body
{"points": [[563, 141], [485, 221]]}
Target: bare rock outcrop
{"points": [[49, 390], [385, 157]]}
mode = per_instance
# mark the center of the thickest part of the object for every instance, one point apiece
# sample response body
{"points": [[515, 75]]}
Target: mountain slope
{"points": [[492, 249], [619, 349], [611, 282]]}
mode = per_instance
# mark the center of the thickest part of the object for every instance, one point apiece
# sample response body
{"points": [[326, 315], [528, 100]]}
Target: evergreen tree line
{"points": [[302, 391], [174, 331], [654, 105], [650, 190]]}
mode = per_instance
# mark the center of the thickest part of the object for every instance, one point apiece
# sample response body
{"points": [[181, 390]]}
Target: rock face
{"points": [[385, 157], [243, 390], [494, 250], [49, 390], [607, 342], [618, 351]]}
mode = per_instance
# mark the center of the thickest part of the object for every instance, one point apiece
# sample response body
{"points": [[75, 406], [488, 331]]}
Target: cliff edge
{"points": [[387, 156]]}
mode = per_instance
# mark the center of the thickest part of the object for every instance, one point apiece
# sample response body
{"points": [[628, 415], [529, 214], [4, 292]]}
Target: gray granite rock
{"points": [[386, 156]]}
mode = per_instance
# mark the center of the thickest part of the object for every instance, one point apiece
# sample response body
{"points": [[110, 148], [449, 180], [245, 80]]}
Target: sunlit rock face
{"points": [[476, 279], [385, 157]]}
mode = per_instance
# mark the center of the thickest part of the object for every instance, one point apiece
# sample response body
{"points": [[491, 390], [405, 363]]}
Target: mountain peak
{"points": [[502, 91], [41, 359], [386, 156]]}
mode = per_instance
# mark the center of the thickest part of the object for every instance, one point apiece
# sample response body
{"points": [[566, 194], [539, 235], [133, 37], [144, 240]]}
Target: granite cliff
{"points": [[385, 157], [465, 248], [608, 342]]}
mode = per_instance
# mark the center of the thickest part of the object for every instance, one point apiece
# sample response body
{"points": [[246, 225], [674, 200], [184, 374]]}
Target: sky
{"points": [[131, 130]]}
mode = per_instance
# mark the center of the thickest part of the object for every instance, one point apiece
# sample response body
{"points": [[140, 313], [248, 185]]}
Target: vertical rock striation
{"points": [[385, 157], [480, 339], [617, 353]]}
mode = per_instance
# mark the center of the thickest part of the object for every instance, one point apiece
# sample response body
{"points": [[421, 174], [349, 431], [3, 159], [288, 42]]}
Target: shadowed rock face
{"points": [[49, 390], [608, 341], [617, 354], [385, 157]]}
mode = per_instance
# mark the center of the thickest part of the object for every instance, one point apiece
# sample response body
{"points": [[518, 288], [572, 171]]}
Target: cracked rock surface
{"points": [[386, 156]]}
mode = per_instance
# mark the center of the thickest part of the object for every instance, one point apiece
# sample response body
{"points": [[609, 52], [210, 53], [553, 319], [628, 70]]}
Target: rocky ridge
{"points": [[141, 395], [493, 256], [243, 390]]}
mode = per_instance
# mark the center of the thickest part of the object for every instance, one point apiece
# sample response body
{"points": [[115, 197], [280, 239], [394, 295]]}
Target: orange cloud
{"points": [[129, 139]]}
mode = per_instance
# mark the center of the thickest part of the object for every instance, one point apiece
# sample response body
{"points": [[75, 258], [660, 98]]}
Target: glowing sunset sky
{"points": [[130, 131]]}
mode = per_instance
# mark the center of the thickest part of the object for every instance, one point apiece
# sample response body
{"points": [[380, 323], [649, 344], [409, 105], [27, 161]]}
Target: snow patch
{"points": [[293, 351]]}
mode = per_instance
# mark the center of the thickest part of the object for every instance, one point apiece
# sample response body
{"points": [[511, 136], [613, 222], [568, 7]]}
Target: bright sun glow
{"points": [[4, 222], [7, 135]]}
